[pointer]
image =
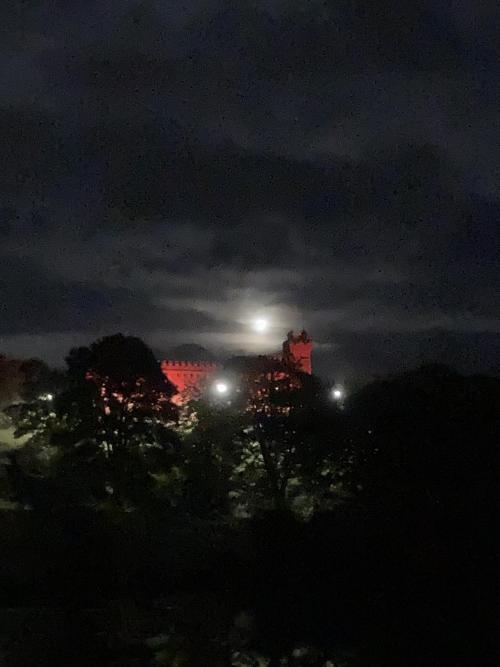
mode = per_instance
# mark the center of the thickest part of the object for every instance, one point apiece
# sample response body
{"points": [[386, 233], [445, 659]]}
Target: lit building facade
{"points": [[190, 377]]}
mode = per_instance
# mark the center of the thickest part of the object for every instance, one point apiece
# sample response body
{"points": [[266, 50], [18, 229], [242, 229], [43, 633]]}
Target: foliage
{"points": [[11, 380], [293, 434], [264, 448], [25, 381], [360, 536], [108, 432], [427, 438], [211, 452]]}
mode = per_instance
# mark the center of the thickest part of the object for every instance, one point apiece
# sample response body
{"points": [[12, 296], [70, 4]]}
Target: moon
{"points": [[260, 325]]}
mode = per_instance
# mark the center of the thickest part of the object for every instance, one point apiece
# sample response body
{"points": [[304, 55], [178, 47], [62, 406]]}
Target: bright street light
{"points": [[337, 394], [221, 387]]}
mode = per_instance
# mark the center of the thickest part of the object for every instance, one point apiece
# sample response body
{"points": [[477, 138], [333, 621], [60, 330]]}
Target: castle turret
{"points": [[190, 377], [297, 350]]}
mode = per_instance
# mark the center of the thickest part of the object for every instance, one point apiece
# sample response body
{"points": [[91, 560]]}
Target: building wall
{"points": [[189, 377], [298, 349]]}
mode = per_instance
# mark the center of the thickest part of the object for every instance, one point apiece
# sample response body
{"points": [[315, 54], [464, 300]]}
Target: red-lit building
{"points": [[297, 350], [190, 377]]}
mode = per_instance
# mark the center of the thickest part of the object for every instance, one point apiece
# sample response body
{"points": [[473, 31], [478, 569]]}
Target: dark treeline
{"points": [[274, 527]]}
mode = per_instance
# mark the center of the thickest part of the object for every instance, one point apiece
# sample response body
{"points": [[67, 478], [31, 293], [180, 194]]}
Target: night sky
{"points": [[172, 169]]}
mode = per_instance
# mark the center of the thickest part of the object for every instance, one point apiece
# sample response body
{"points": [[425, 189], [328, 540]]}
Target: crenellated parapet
{"points": [[191, 377], [200, 366], [187, 376]]}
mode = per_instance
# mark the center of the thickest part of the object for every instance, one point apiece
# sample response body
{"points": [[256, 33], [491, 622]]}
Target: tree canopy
{"points": [[271, 525]]}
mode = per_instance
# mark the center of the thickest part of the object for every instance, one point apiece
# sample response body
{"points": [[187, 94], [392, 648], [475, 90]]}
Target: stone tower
{"points": [[297, 349]]}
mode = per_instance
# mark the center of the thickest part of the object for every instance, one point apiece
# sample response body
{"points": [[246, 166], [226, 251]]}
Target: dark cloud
{"points": [[169, 169], [36, 303], [360, 356]]}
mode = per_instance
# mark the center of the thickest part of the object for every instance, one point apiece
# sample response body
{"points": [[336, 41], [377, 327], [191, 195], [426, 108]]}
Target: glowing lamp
{"points": [[337, 394], [221, 388]]}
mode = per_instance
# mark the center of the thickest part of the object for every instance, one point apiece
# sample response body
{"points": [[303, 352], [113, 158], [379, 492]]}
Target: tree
{"points": [[26, 380], [291, 432], [26, 392], [426, 438], [11, 381], [212, 450], [110, 428]]}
